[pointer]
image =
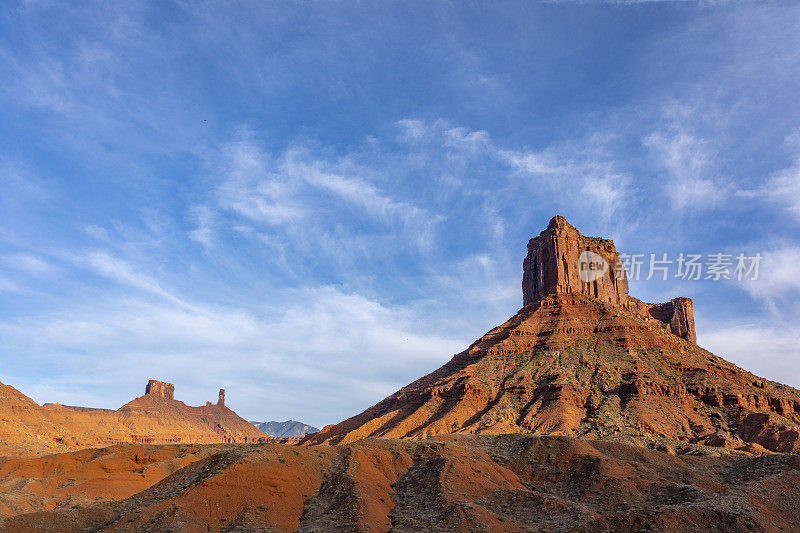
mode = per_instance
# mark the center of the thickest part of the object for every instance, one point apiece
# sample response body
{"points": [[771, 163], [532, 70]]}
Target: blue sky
{"points": [[313, 203]]}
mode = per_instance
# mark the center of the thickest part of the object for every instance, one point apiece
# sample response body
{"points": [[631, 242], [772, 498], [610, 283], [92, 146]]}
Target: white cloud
{"points": [[253, 189], [691, 180], [411, 129], [203, 216], [780, 272], [535, 163], [309, 346], [343, 180], [27, 263], [767, 351], [584, 167], [310, 197], [778, 284], [783, 188], [463, 139], [21, 186], [97, 232], [9, 286], [122, 272]]}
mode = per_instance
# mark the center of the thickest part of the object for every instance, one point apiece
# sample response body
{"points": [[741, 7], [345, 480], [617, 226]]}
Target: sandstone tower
{"points": [[221, 400], [554, 263], [160, 389]]}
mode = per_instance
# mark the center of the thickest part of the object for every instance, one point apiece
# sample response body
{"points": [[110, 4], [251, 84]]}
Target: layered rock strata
{"points": [[561, 260], [586, 359]]}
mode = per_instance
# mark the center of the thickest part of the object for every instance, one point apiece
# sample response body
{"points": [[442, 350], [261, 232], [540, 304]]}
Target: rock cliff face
{"points": [[678, 314], [561, 260], [173, 421], [553, 265], [586, 359], [160, 389]]}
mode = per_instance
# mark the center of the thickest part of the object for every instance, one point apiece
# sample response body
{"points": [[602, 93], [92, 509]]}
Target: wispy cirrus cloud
{"points": [[320, 336], [27, 263], [777, 286], [302, 199], [583, 165], [689, 180], [254, 189], [8, 285], [22, 185], [301, 192], [783, 187], [121, 271]]}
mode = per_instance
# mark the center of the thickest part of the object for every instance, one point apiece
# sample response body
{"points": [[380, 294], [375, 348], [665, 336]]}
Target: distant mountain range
{"points": [[290, 428]]}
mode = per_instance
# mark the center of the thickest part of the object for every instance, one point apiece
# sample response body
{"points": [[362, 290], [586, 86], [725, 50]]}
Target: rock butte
{"points": [[155, 418], [553, 265], [583, 358]]}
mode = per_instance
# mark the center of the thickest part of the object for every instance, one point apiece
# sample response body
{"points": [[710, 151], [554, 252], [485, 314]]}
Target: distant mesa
{"points": [[583, 358], [154, 418]]}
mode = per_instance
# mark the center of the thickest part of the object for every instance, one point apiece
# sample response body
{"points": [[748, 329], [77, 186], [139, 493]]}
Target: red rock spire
{"points": [[555, 259], [561, 260]]}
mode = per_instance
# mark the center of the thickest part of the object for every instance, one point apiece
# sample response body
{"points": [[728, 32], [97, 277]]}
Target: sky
{"points": [[311, 204]]}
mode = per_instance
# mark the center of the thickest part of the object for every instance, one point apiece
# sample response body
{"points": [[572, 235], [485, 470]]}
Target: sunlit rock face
{"points": [[554, 264], [160, 389], [561, 260]]}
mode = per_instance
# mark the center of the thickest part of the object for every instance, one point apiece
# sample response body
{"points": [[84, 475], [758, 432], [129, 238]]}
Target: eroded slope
{"points": [[455, 483], [573, 365]]}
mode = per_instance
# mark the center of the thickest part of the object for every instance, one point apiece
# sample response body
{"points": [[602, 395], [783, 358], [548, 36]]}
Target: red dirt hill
{"points": [[448, 483]]}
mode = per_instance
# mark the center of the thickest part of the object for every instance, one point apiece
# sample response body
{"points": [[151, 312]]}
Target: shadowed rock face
{"points": [[679, 314], [587, 359], [556, 261]]}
